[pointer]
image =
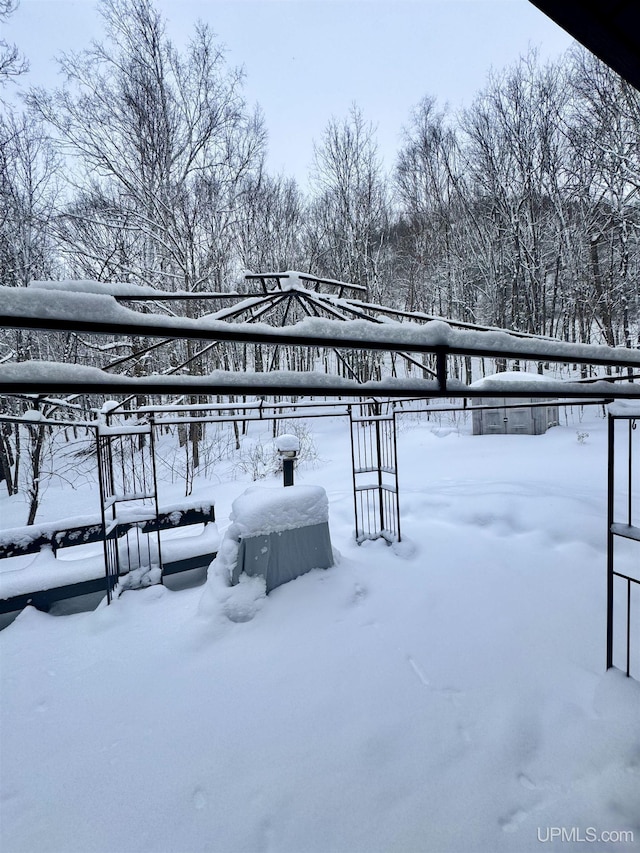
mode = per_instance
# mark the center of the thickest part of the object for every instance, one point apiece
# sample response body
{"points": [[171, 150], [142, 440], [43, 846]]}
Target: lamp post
{"points": [[288, 447]]}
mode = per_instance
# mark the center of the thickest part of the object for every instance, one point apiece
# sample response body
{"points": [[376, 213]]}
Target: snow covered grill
{"points": [[277, 534]]}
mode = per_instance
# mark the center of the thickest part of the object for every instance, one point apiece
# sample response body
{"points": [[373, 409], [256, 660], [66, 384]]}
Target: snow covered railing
{"points": [[56, 378], [18, 541], [85, 530], [623, 522], [48, 579]]}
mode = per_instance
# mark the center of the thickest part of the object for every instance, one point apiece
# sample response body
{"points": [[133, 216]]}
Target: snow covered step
{"points": [[131, 496], [370, 486], [629, 531], [387, 469]]}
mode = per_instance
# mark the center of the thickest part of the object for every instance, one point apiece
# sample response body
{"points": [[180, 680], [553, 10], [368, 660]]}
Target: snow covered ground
{"points": [[446, 695]]}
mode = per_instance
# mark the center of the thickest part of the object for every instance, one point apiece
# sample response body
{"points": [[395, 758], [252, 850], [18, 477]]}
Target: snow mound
{"points": [[260, 511], [287, 443], [220, 600]]}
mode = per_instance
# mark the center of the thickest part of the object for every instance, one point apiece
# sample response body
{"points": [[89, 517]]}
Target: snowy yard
{"points": [[445, 695]]}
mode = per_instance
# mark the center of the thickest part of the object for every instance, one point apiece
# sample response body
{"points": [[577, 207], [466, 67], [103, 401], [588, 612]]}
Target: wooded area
{"points": [[147, 166]]}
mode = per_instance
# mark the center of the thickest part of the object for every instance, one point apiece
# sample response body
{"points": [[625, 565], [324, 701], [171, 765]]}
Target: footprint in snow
{"points": [[359, 594], [512, 821], [527, 783], [199, 798]]}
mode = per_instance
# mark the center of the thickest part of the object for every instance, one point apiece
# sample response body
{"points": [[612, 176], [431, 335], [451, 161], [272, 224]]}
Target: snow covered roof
{"points": [[510, 376]]}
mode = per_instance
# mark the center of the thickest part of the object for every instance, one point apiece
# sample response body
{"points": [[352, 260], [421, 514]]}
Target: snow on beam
{"points": [[125, 291], [58, 311], [422, 316], [625, 409], [296, 277], [55, 378]]}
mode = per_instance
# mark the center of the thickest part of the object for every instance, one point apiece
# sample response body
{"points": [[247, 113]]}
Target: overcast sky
{"points": [[309, 60]]}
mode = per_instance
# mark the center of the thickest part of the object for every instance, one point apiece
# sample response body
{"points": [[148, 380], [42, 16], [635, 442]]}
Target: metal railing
{"points": [[626, 530], [374, 460]]}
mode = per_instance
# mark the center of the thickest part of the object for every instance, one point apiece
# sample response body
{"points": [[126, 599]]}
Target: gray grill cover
{"points": [[285, 555]]}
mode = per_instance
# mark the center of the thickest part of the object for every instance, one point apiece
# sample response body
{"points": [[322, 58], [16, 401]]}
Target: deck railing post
{"points": [[441, 367], [610, 537]]}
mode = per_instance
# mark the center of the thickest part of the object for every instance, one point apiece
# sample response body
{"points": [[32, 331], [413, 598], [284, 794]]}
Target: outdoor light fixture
{"points": [[288, 447]]}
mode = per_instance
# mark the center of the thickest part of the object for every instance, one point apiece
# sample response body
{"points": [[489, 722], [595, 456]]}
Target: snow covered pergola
{"points": [[288, 314]]}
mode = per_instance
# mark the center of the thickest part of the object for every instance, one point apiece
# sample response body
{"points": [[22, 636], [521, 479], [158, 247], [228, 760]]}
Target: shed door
{"points": [[519, 421], [494, 421]]}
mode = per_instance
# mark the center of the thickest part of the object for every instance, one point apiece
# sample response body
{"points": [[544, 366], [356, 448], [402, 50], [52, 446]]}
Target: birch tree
{"points": [[351, 211], [12, 63], [166, 132], [425, 179], [604, 141], [269, 228], [29, 187]]}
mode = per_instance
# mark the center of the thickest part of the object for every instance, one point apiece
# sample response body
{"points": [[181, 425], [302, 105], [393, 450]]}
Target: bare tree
{"points": [[12, 63], [162, 145], [604, 142], [28, 194], [513, 162], [166, 133], [351, 211], [29, 189], [269, 229], [98, 234], [425, 180]]}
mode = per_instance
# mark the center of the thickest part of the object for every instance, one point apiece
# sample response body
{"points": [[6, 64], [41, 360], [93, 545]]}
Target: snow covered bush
{"points": [[258, 460], [261, 459], [174, 454]]}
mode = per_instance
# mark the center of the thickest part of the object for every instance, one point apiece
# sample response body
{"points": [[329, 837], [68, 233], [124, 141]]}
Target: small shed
{"points": [[512, 416]]}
